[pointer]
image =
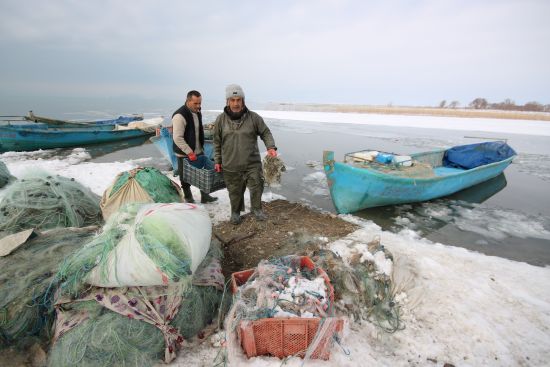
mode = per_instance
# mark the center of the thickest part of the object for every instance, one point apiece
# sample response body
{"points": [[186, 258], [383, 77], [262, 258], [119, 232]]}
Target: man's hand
{"points": [[272, 152], [218, 167], [192, 156]]}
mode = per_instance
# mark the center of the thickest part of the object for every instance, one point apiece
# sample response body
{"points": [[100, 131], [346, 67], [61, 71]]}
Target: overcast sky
{"points": [[366, 52]]}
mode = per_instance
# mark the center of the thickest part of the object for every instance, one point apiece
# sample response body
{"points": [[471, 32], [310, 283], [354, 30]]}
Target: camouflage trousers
{"points": [[237, 182]]}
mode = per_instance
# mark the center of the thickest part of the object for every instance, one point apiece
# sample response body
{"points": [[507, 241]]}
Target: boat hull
{"points": [[18, 139], [164, 144], [121, 120], [353, 188]]}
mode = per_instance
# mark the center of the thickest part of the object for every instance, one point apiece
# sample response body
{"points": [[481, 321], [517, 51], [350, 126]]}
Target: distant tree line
{"points": [[507, 105]]}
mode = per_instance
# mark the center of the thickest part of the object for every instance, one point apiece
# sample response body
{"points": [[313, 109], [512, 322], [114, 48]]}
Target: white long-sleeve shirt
{"points": [[178, 125]]}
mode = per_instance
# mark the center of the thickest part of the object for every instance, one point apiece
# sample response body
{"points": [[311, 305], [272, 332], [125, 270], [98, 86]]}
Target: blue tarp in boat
{"points": [[475, 155]]}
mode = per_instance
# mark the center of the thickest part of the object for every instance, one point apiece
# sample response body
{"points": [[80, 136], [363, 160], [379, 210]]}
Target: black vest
{"points": [[189, 133]]}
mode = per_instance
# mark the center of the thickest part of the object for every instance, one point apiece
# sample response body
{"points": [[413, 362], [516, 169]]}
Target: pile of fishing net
{"points": [[141, 245], [44, 201], [135, 326], [291, 290], [273, 167], [132, 294], [5, 176], [362, 281], [282, 287], [26, 289], [139, 185]]}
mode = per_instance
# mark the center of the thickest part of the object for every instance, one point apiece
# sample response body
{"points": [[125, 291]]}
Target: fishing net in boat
{"points": [[5, 176], [139, 185], [391, 164], [288, 293], [141, 245], [26, 288], [417, 170], [362, 282], [43, 201], [273, 168], [136, 326]]}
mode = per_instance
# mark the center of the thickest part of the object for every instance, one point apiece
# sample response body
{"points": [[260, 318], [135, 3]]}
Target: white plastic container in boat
{"points": [[402, 160]]}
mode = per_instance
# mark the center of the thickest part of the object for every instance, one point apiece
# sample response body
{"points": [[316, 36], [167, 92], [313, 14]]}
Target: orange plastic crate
{"points": [[282, 337]]}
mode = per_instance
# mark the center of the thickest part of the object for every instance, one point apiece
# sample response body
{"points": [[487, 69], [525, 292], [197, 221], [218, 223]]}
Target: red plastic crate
{"points": [[282, 337]]}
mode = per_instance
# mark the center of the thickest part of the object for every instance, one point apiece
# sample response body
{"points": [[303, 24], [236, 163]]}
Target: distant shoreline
{"points": [[401, 110]]}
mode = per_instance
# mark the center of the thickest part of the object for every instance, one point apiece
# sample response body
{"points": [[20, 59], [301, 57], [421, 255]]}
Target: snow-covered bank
{"points": [[459, 307], [541, 128]]}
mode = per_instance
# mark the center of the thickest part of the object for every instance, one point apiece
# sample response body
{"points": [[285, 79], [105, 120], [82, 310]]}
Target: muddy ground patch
{"points": [[291, 228]]}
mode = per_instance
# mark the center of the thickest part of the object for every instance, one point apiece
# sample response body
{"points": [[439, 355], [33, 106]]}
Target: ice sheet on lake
{"points": [[492, 223], [534, 164], [316, 184]]}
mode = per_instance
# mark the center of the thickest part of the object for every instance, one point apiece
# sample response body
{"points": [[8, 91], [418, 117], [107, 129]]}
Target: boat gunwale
{"points": [[401, 179]]}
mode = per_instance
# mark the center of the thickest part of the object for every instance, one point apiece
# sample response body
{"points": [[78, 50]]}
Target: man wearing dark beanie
{"points": [[236, 152]]}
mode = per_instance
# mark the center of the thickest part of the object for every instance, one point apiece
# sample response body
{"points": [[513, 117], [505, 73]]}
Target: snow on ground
{"points": [[459, 307], [541, 128]]}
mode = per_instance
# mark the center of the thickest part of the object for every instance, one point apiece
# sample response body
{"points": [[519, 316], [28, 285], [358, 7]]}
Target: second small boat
{"points": [[369, 178]]}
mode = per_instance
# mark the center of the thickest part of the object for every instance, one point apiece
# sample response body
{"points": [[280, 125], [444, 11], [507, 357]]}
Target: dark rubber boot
{"points": [[205, 198], [260, 215], [235, 218], [188, 196]]}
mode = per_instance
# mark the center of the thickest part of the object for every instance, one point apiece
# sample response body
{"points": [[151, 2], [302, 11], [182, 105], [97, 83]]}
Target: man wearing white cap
{"points": [[236, 152]]}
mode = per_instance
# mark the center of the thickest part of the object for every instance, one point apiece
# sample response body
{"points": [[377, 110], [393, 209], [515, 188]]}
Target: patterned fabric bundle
{"points": [[136, 325]]}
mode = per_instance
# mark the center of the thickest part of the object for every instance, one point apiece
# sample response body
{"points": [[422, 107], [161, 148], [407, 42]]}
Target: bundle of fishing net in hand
{"points": [[139, 185], [44, 201], [287, 288], [26, 289], [5, 176], [362, 277], [273, 167], [134, 293]]}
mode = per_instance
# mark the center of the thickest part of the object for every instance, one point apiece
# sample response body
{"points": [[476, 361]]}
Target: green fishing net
{"points": [[26, 288], [360, 289], [5, 176], [172, 236], [159, 187], [44, 201], [111, 339], [107, 339], [163, 246]]}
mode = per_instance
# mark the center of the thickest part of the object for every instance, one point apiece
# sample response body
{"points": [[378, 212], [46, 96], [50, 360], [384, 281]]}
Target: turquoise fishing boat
{"points": [[370, 178], [108, 123], [28, 139]]}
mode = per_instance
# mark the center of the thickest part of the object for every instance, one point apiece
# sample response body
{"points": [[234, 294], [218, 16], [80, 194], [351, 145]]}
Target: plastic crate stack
{"points": [[310, 335]]}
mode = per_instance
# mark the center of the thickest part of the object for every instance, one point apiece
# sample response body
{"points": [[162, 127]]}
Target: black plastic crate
{"points": [[206, 180]]}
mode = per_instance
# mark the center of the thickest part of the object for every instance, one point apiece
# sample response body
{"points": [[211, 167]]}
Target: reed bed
{"points": [[424, 111]]}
